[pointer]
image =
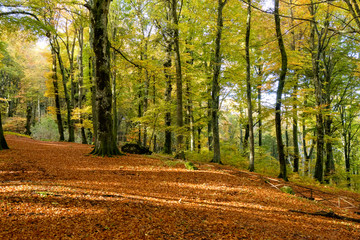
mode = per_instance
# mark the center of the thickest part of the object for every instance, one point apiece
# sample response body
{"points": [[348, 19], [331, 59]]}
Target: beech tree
{"points": [[281, 84], [105, 144], [215, 92]]}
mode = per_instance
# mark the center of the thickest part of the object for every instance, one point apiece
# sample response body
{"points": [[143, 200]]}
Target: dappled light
{"points": [[68, 194]]}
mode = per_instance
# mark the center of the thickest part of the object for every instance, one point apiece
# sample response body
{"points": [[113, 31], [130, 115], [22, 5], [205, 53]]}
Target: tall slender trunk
{"points": [[93, 97], [346, 134], [167, 66], [57, 97], [260, 118], [179, 101], [81, 81], [215, 83], [295, 131], [210, 124], [315, 56], [248, 90], [146, 104], [146, 95], [280, 145], [329, 163], [114, 93], [66, 93], [155, 116], [189, 119], [295, 111], [28, 118]]}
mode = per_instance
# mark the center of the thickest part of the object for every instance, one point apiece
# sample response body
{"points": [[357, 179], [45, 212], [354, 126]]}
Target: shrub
{"points": [[15, 124], [45, 130], [287, 189], [190, 166]]}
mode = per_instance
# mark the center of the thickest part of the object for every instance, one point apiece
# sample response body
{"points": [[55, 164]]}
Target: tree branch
{"points": [[127, 59], [19, 12]]}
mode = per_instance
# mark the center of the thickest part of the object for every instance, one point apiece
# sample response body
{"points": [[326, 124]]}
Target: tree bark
{"points": [[105, 144], [3, 143], [179, 99], [28, 118], [248, 90], [295, 111], [260, 118], [168, 90], [93, 98], [215, 93], [57, 97], [316, 51], [81, 81], [66, 93], [280, 145], [295, 132]]}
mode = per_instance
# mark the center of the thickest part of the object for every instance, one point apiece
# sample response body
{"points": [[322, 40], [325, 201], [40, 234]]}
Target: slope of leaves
{"points": [[52, 190]]}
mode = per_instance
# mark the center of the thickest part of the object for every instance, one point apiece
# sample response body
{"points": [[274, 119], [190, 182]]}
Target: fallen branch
{"points": [[328, 214]]}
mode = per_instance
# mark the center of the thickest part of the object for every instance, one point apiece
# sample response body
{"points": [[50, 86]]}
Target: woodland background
{"points": [[211, 80]]}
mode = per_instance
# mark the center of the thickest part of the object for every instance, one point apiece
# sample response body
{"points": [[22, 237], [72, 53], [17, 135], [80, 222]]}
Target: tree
{"points": [[105, 144], [248, 90], [179, 98], [215, 92], [281, 82]]}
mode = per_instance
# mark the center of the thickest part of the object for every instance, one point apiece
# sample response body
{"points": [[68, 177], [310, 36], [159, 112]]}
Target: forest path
{"points": [[52, 190]]}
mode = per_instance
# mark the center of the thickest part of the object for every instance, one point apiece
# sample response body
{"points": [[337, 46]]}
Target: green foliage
{"points": [[190, 166], [16, 134], [287, 189], [45, 130], [203, 156], [172, 163], [15, 124]]}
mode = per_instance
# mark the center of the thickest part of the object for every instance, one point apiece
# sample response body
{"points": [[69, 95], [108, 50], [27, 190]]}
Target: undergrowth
{"points": [[45, 130], [16, 134]]}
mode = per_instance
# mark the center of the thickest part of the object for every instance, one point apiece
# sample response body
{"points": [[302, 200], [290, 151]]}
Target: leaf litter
{"points": [[57, 191]]}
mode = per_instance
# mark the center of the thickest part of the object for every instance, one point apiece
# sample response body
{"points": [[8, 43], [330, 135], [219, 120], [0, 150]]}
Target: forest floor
{"points": [[52, 190]]}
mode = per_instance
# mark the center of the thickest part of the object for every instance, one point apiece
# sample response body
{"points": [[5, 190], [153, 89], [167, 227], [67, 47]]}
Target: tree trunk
{"points": [[315, 56], [215, 93], [209, 125], [295, 111], [179, 101], [3, 143], [146, 104], [295, 132], [260, 118], [57, 97], [29, 110], [280, 145], [105, 144], [28, 118], [114, 76], [329, 163], [167, 66], [199, 139], [248, 90], [66, 93], [140, 106], [81, 80], [93, 98]]}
